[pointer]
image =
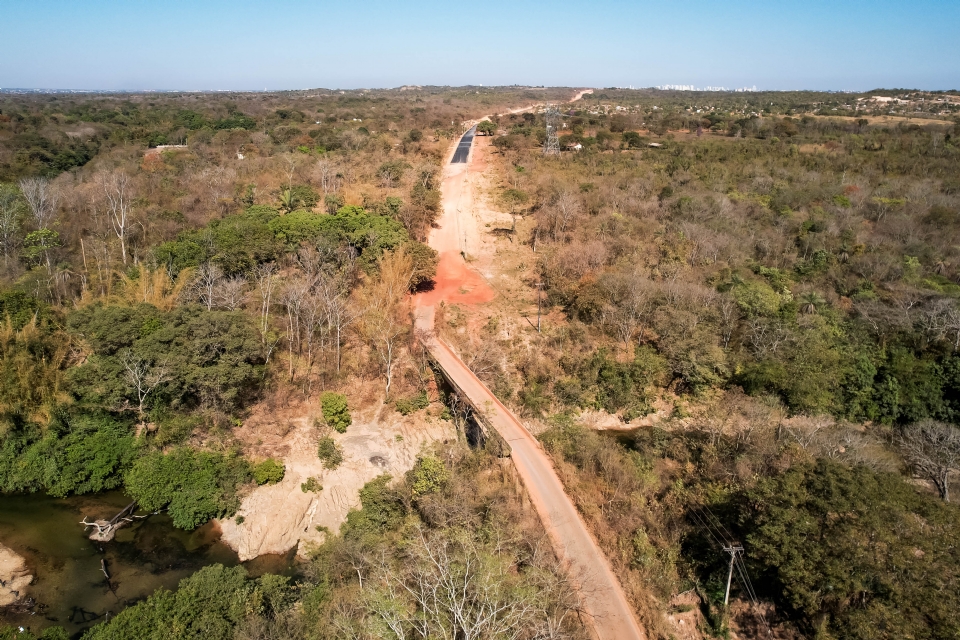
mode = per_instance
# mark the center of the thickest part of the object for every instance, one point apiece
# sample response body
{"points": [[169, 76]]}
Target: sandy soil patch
{"points": [[277, 518], [14, 576], [684, 616]]}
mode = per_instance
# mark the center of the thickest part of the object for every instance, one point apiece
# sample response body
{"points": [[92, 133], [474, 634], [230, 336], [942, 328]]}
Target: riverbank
{"points": [[68, 587], [15, 577]]}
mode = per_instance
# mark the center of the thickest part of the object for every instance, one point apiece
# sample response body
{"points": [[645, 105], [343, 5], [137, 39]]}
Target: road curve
{"points": [[608, 611]]}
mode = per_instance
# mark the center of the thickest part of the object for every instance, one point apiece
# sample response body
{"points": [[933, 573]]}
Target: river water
{"points": [[69, 588]]}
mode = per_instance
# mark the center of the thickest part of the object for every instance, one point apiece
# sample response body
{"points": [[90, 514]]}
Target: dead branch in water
{"points": [[104, 530]]}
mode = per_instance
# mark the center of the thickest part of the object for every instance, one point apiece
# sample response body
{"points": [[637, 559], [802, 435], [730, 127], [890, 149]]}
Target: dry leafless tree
{"points": [[932, 449], [142, 376]]}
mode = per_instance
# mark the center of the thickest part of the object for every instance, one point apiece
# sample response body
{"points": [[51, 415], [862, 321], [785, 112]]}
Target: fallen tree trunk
{"points": [[105, 530]]}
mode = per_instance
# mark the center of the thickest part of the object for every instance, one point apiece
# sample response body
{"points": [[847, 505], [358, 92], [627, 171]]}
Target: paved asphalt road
{"points": [[463, 149]]}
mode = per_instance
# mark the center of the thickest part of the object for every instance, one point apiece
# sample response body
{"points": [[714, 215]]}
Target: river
{"points": [[69, 588]]}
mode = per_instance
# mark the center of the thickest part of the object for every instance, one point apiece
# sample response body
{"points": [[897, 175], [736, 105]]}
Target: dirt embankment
{"points": [[276, 518], [14, 576]]}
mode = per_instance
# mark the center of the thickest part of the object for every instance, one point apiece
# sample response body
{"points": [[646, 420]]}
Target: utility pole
{"points": [[733, 550]]}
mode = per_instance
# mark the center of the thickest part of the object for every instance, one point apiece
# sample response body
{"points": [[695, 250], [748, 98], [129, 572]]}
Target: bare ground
{"points": [[276, 518], [14, 576]]}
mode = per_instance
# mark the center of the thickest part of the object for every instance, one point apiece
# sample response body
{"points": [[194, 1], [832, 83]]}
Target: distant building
{"points": [[690, 87]]}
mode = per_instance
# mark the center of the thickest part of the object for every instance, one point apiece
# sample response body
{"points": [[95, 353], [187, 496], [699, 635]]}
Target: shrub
{"points": [[268, 471], [382, 509], [330, 453], [406, 406], [429, 475], [311, 485], [336, 413]]}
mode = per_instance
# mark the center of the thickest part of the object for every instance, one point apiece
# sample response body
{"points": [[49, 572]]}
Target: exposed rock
{"points": [[14, 576], [276, 518]]}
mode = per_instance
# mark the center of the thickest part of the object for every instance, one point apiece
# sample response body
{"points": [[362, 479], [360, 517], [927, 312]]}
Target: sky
{"points": [[298, 44]]}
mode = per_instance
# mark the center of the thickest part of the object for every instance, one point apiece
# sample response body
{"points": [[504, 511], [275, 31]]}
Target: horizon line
{"points": [[414, 87]]}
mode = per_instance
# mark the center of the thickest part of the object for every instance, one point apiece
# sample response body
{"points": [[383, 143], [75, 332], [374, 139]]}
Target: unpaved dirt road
{"points": [[610, 614]]}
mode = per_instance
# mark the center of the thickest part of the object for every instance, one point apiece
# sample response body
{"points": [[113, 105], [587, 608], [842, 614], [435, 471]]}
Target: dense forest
{"points": [[760, 288]]}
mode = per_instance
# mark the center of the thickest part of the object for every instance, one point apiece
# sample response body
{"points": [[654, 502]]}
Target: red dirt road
{"points": [[609, 612], [455, 282]]}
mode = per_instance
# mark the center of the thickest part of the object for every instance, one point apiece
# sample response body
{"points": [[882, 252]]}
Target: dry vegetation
{"points": [[773, 288], [782, 288]]}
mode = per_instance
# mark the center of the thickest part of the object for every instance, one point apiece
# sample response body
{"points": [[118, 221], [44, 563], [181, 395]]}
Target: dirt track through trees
{"points": [[608, 611]]}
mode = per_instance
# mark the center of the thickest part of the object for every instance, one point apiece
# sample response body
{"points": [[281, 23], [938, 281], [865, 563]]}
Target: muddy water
{"points": [[69, 588]]}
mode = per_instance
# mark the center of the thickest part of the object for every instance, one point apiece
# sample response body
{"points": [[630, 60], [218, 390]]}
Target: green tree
{"points": [[329, 452], [213, 358], [855, 553], [486, 128], [382, 509], [92, 457], [269, 471], [429, 475], [37, 245], [193, 485], [632, 140], [336, 413], [50, 633], [207, 606]]}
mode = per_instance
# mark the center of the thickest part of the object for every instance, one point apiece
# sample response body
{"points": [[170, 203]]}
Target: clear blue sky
{"points": [[292, 44]]}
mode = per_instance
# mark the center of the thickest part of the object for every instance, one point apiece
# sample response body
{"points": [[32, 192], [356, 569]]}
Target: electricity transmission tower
{"points": [[551, 146]]}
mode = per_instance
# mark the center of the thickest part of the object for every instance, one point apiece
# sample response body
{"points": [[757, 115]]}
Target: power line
{"points": [[748, 584], [723, 539], [720, 535], [717, 522], [703, 523]]}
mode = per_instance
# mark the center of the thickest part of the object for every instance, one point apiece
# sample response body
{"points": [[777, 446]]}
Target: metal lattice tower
{"points": [[551, 146]]}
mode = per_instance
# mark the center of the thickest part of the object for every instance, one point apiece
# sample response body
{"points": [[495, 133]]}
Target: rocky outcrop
{"points": [[273, 519], [14, 576]]}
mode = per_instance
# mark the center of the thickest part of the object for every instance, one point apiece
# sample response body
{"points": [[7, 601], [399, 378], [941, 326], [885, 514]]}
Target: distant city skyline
{"points": [[690, 87], [293, 44]]}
